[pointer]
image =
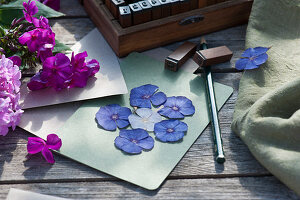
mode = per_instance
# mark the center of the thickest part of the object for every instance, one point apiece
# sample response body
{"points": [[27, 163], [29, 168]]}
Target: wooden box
{"points": [[166, 30]]}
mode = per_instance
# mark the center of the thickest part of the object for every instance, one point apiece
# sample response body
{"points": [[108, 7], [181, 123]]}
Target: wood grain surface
{"points": [[197, 176]]}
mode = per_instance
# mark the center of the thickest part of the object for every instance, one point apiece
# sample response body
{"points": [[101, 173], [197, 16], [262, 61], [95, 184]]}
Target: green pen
{"points": [[220, 157]]}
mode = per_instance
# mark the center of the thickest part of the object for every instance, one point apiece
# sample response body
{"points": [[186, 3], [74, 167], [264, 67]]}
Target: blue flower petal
{"points": [[241, 63], [187, 110], [108, 117], [144, 112], [165, 111], [261, 59], [251, 65], [172, 123], [135, 134], [140, 96], [171, 101], [259, 51], [160, 127], [181, 127], [121, 123], [114, 108], [248, 53], [161, 136], [127, 146], [148, 89], [147, 143], [158, 98], [170, 130], [124, 112], [174, 137]]}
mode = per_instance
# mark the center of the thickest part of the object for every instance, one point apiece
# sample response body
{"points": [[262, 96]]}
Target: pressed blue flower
{"points": [[134, 141], [177, 108], [144, 118], [143, 96], [252, 58], [112, 116], [170, 130]]}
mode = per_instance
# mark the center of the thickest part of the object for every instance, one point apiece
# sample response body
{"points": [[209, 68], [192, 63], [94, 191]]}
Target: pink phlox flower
{"points": [[36, 145], [10, 111], [57, 71], [30, 9]]}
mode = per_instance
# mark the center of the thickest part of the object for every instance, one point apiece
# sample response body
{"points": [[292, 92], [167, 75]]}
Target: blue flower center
{"points": [[146, 96], [114, 117], [175, 108], [134, 141], [170, 130]]}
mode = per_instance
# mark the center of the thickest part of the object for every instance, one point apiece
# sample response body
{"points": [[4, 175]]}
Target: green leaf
{"points": [[2, 31], [60, 47], [13, 10]]}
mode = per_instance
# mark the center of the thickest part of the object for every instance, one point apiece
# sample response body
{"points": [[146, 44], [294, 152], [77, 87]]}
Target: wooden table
{"points": [[197, 176]]}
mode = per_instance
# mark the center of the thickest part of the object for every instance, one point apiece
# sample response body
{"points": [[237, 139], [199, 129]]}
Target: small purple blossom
{"points": [[134, 141], [16, 60], [30, 9], [170, 130], [54, 4], [37, 38], [36, 83], [252, 58], [42, 23], [177, 108], [57, 71], [82, 69], [144, 118], [112, 116], [36, 145], [144, 95]]}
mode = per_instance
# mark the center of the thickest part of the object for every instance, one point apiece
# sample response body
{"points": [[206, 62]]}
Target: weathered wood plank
{"points": [[69, 31], [198, 162], [72, 8], [267, 188]]}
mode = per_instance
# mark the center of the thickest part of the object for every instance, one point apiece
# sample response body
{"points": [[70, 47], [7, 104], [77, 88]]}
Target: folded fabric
{"points": [[267, 112]]}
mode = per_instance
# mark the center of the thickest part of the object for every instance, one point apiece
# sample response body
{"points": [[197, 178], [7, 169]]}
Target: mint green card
{"points": [[85, 142]]}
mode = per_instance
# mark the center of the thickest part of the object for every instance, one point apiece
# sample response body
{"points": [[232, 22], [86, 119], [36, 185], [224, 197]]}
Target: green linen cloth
{"points": [[267, 112]]}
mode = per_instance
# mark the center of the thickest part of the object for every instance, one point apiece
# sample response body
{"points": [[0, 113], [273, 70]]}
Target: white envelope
{"points": [[109, 81], [16, 194]]}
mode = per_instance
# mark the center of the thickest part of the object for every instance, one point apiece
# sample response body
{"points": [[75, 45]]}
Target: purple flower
{"points": [[252, 58], [42, 23], [144, 118], [177, 108], [30, 9], [82, 69], [37, 38], [57, 71], [36, 83], [112, 116], [143, 96], [170, 130], [54, 4], [16, 60], [134, 141], [36, 145]]}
